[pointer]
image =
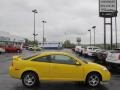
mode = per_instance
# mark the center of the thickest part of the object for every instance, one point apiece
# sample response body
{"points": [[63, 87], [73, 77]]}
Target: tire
{"points": [[30, 79], [18, 51], [93, 80]]}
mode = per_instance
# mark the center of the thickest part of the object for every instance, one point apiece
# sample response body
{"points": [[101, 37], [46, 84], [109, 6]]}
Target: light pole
{"points": [[34, 33], [65, 39], [44, 31], [94, 27], [90, 36]]}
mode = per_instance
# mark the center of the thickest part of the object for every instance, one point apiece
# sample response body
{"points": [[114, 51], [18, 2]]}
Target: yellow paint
{"points": [[57, 72]]}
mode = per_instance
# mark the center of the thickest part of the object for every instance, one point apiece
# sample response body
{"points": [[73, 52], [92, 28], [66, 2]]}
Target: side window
{"points": [[43, 59], [90, 48], [61, 59]]}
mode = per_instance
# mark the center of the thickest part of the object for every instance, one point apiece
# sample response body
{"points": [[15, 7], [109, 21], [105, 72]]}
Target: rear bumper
{"points": [[91, 54], [14, 73], [113, 65]]}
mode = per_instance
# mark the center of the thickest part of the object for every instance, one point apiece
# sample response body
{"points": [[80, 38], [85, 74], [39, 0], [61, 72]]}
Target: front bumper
{"points": [[106, 76]]}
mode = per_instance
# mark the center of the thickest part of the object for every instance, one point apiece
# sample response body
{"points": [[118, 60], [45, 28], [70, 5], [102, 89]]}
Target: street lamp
{"points": [[90, 36], [44, 31], [94, 27], [34, 34]]}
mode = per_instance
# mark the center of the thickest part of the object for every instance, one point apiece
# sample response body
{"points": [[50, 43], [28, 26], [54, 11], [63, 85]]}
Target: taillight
{"points": [[119, 57]]}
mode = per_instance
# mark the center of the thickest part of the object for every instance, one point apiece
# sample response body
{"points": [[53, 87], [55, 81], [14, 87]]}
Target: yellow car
{"points": [[57, 66]]}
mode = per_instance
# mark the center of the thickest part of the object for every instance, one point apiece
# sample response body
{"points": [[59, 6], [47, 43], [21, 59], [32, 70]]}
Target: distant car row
{"points": [[111, 58], [88, 51], [55, 46], [15, 49], [32, 48]]}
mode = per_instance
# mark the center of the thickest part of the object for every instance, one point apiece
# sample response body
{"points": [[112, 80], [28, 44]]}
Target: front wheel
{"points": [[93, 80], [30, 79]]}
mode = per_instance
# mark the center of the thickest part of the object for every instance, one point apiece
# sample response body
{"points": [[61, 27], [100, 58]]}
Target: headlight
{"points": [[105, 69]]}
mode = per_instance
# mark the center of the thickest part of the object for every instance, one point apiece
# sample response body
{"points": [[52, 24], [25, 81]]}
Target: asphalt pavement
{"points": [[8, 83]]}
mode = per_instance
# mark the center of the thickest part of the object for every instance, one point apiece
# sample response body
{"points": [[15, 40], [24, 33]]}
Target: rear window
{"points": [[28, 57], [95, 48], [78, 46], [89, 48], [115, 51]]}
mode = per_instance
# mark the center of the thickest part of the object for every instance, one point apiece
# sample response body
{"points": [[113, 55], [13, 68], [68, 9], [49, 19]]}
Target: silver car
{"points": [[113, 59]]}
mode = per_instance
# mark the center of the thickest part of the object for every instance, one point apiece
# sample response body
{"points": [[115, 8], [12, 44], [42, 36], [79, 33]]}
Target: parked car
{"points": [[113, 59], [73, 49], [26, 47], [100, 56], [90, 51], [2, 50], [57, 66], [36, 48], [79, 50], [13, 49]]}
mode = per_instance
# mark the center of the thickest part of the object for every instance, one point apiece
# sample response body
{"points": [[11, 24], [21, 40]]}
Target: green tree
{"points": [[30, 42], [68, 44]]}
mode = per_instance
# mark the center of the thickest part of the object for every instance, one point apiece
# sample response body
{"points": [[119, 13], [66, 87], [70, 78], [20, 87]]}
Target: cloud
{"points": [[72, 16]]}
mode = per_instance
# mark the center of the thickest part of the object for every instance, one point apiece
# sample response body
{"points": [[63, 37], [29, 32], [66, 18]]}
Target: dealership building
{"points": [[8, 39]]}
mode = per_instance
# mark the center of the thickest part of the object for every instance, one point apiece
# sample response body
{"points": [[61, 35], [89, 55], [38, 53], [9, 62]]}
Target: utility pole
{"points": [[104, 33]]}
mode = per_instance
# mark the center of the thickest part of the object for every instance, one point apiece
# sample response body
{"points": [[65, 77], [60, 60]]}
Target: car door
{"points": [[64, 68], [42, 65], [11, 49]]}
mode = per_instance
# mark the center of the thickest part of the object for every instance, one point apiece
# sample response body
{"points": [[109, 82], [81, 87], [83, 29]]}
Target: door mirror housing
{"points": [[77, 63]]}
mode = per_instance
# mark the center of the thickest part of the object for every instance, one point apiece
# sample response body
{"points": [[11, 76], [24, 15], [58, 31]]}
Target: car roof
{"points": [[92, 47], [48, 53], [53, 52]]}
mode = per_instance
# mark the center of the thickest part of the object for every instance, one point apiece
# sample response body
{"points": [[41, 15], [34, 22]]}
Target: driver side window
{"points": [[62, 59]]}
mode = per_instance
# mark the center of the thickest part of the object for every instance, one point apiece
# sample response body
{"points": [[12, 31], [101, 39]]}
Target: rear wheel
{"points": [[18, 51], [30, 79], [93, 80]]}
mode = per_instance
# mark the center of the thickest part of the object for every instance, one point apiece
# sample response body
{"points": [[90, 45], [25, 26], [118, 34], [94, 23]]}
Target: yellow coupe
{"points": [[57, 66]]}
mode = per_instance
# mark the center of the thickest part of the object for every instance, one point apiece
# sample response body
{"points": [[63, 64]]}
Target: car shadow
{"points": [[60, 86]]}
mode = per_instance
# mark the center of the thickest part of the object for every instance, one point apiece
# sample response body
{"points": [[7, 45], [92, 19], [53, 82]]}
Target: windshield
{"points": [[75, 55]]}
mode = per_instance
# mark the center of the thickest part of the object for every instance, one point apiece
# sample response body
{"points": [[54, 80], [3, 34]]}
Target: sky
{"points": [[66, 19]]}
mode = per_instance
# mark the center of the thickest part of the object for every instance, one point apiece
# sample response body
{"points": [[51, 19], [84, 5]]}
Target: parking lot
{"points": [[87, 29], [8, 83]]}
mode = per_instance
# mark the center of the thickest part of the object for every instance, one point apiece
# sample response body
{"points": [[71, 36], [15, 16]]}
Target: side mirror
{"points": [[77, 63]]}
